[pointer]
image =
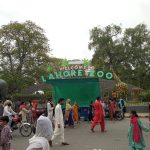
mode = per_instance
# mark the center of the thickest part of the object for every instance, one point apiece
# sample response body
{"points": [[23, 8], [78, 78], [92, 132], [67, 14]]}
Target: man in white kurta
{"points": [[50, 107], [59, 123]]}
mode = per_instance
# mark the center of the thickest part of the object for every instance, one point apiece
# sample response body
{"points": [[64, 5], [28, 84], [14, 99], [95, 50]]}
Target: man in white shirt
{"points": [[50, 108], [103, 105], [59, 123], [8, 111]]}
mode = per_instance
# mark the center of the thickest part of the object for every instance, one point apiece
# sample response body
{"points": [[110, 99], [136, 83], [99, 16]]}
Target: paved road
{"points": [[81, 138]]}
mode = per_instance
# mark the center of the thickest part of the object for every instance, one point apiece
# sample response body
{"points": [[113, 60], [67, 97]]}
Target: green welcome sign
{"points": [[67, 71]]}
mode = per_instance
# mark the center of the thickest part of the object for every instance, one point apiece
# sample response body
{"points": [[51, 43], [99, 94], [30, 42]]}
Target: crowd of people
{"points": [[8, 112], [49, 126], [110, 108]]}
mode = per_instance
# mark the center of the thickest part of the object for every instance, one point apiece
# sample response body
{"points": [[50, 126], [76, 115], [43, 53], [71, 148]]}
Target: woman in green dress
{"points": [[135, 136]]}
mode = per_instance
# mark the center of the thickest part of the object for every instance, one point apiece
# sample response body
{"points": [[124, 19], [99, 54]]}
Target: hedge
{"points": [[145, 96]]}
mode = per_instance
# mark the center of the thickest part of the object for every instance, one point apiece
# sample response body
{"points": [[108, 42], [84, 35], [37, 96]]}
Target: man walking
{"points": [[59, 123], [50, 108], [99, 115], [122, 106]]}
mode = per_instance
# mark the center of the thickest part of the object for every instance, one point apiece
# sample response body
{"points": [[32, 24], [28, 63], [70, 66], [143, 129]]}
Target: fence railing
{"points": [[136, 103]]}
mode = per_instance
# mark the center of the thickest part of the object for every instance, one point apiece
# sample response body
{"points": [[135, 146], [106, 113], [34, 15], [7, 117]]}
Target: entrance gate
{"points": [[82, 90]]}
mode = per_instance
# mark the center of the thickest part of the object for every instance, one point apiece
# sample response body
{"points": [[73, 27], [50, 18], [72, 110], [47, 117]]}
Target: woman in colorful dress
{"points": [[135, 136], [34, 110], [112, 108], [76, 112], [68, 114]]}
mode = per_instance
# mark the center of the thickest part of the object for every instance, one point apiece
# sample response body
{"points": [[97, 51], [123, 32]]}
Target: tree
{"points": [[107, 45], [23, 49], [126, 52], [137, 45]]}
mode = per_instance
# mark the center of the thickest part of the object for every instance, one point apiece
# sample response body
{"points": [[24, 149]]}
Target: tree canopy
{"points": [[23, 49], [126, 51]]}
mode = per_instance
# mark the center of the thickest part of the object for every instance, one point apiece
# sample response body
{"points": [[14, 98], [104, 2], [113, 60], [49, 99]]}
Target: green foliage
{"points": [[48, 93], [145, 96], [127, 52], [65, 63], [52, 66], [23, 53], [27, 97], [50, 69], [86, 62], [24, 97], [107, 46]]}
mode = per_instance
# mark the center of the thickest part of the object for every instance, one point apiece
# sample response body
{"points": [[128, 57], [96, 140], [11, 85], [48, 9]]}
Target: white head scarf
{"points": [[44, 128], [43, 134]]}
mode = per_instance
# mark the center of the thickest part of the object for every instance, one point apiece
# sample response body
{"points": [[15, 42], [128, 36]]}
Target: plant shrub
{"points": [[145, 96]]}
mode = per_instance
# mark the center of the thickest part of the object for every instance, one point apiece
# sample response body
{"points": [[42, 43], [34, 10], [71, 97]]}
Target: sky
{"points": [[67, 22]]}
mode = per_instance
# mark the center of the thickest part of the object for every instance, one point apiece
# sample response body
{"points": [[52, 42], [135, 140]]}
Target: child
{"points": [[5, 133], [135, 136]]}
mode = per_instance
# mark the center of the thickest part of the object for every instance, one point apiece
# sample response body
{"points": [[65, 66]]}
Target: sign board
{"points": [[77, 71]]}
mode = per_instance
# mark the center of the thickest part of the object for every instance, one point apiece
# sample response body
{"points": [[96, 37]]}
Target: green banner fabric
{"points": [[82, 90]]}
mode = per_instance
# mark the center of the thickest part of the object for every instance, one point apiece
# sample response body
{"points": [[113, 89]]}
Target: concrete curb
{"points": [[139, 116]]}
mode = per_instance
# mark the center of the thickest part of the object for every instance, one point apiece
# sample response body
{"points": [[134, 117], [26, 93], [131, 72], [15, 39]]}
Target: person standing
{"points": [[23, 112], [76, 112], [8, 111], [34, 110], [17, 105], [99, 115], [5, 136], [43, 134], [50, 108], [135, 136], [122, 106], [59, 123], [103, 105], [29, 116], [68, 114], [91, 110], [112, 108]]}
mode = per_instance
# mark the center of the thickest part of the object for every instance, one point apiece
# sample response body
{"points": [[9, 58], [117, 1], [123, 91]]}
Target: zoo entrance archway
{"points": [[82, 90]]}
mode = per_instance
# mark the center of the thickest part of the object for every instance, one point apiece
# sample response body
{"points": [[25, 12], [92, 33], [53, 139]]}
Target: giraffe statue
{"points": [[121, 87]]}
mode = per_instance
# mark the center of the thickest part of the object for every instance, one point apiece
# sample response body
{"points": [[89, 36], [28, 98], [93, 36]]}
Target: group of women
{"points": [[111, 106], [71, 113]]}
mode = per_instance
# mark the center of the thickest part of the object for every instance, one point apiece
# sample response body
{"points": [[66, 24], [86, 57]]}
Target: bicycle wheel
{"points": [[25, 130]]}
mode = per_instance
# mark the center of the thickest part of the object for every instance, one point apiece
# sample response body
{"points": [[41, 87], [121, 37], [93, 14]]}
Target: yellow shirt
{"points": [[68, 107]]}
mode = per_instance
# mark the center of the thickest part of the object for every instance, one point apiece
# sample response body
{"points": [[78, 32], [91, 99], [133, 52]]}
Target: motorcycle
{"points": [[118, 114], [25, 129]]}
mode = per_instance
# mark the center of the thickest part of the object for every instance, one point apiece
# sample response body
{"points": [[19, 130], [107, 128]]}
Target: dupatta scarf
{"points": [[136, 129]]}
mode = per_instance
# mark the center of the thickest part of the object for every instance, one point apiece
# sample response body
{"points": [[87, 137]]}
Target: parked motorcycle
{"points": [[25, 128], [118, 115]]}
